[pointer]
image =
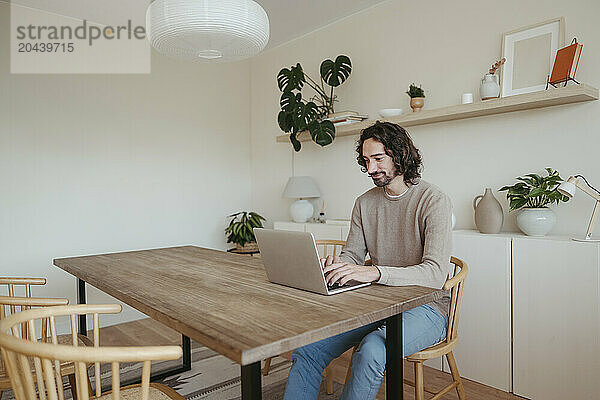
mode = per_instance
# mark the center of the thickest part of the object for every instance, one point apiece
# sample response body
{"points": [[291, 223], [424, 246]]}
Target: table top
{"points": [[225, 301]]}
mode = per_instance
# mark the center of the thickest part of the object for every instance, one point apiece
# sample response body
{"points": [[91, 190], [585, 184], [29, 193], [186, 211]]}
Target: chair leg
{"points": [[349, 370], [419, 391], [329, 380], [267, 366], [73, 384], [460, 390]]}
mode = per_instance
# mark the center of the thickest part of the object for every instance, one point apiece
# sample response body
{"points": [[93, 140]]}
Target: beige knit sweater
{"points": [[408, 237]]}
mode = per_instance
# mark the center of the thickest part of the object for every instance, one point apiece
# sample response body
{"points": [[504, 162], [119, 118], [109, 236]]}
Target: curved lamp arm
{"points": [[567, 189]]}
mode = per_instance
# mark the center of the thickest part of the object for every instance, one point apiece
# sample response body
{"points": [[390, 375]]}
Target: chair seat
{"points": [[435, 351], [133, 392]]}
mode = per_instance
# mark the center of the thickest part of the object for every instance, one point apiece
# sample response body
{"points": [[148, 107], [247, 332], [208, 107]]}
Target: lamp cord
{"points": [[587, 183]]}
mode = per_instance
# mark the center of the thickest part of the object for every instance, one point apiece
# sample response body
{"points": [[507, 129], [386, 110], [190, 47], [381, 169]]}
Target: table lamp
{"points": [[302, 188], [568, 188]]}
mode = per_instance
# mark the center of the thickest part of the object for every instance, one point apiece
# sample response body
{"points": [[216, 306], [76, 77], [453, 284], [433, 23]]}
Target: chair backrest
{"points": [[455, 285], [330, 247], [20, 286], [11, 305], [26, 357]]}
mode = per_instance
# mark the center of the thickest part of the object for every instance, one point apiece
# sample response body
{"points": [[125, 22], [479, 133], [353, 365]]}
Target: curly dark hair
{"points": [[398, 145]]}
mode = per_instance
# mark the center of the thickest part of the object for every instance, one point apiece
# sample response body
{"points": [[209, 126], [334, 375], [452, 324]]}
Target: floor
{"points": [[151, 333]]}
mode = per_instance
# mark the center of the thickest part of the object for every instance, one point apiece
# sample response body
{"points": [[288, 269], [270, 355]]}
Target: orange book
{"points": [[565, 64]]}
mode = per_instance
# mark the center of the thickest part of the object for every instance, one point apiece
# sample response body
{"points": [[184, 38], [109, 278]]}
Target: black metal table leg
{"points": [[394, 360], [186, 364], [251, 382], [81, 300]]}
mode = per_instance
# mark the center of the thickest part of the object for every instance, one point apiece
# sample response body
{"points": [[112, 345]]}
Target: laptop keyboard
{"points": [[338, 286]]}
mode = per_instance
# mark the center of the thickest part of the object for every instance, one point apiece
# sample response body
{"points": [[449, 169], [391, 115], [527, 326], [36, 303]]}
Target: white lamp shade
{"points": [[567, 188], [301, 187], [207, 30]]}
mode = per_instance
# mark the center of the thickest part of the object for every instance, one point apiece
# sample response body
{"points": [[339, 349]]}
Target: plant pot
{"points": [[536, 221], [416, 103], [248, 247]]}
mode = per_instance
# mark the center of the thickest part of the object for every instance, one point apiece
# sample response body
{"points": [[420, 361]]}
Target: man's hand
{"points": [[330, 260], [343, 272]]}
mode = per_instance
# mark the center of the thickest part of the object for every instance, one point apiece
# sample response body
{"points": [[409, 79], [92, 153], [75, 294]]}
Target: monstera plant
{"points": [[297, 114]]}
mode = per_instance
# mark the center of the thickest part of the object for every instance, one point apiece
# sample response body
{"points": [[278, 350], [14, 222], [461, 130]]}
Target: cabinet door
{"points": [[556, 319], [483, 353], [289, 226], [325, 232]]}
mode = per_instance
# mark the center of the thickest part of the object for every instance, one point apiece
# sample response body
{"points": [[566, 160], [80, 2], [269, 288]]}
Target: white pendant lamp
{"points": [[207, 30]]}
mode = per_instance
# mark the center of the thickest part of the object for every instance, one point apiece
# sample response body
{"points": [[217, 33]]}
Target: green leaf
{"points": [[517, 203], [291, 79], [322, 133], [528, 181], [536, 192], [295, 142], [336, 73], [289, 101], [285, 121]]}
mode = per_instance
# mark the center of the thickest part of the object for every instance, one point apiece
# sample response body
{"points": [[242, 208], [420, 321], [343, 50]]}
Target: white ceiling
{"points": [[289, 19]]}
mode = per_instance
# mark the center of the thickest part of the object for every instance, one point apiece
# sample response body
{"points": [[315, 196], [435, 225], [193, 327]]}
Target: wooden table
{"points": [[225, 302]]}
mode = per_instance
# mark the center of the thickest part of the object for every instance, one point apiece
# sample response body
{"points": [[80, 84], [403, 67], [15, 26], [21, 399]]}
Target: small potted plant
{"points": [[532, 195], [417, 97], [240, 232]]}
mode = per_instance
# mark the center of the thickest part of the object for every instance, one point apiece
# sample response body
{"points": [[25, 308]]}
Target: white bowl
{"points": [[390, 112]]}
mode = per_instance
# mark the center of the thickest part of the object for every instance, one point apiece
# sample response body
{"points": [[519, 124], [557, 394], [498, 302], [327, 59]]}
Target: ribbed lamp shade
{"points": [[207, 30], [301, 187]]}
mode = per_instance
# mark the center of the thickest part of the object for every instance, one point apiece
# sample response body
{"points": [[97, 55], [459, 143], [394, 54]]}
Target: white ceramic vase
{"points": [[536, 221], [490, 87]]}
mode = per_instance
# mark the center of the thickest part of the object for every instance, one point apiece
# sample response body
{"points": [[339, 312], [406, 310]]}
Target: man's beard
{"points": [[384, 180]]}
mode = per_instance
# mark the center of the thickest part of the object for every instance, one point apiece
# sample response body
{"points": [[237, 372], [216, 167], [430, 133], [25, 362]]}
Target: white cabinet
{"points": [[338, 231], [484, 330], [556, 319], [530, 320]]}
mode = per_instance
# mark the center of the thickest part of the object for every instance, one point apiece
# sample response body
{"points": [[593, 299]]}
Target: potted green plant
{"points": [[297, 114], [532, 195], [417, 97], [240, 232]]}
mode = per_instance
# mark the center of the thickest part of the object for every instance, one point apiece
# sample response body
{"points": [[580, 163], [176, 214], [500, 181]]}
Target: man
{"points": [[404, 223]]}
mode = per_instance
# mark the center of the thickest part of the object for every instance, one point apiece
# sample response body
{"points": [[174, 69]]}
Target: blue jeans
{"points": [[422, 327]]}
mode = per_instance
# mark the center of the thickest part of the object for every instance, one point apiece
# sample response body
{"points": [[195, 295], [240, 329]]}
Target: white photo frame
{"points": [[530, 54]]}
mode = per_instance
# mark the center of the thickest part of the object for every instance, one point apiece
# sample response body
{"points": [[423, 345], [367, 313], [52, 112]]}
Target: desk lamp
{"points": [[302, 188], [568, 188]]}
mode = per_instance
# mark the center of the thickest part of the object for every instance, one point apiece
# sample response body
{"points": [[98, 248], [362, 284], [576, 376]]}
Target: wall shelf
{"points": [[527, 101]]}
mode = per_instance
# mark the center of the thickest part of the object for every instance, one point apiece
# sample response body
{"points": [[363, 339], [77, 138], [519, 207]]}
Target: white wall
{"points": [[446, 47], [104, 163]]}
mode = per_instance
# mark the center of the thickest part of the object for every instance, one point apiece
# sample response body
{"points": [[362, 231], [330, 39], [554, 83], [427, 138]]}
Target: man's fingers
{"points": [[331, 267], [330, 260], [347, 278], [337, 274]]}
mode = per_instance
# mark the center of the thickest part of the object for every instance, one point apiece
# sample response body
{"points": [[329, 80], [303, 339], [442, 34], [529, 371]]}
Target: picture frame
{"points": [[530, 52]]}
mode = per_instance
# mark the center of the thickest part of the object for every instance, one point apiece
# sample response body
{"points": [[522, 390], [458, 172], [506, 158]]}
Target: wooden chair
{"points": [[326, 247], [19, 291], [34, 366], [444, 348], [12, 305]]}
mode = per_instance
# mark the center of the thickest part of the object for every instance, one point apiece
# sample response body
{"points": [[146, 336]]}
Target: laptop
{"points": [[292, 259]]}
